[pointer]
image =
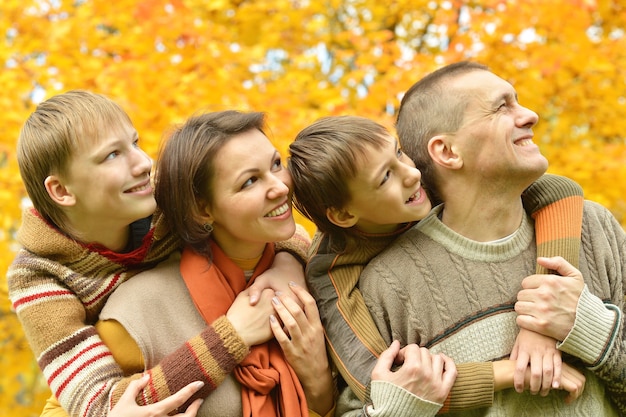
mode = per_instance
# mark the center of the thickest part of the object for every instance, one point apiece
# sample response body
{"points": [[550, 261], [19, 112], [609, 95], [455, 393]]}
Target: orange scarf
{"points": [[213, 288]]}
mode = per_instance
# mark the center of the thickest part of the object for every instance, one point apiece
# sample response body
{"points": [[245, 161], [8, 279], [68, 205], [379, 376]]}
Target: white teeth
{"points": [[524, 142], [134, 190], [414, 197], [278, 211]]}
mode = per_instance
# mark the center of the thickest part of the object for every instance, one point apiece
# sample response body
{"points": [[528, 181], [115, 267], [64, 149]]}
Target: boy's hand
{"points": [[540, 353], [428, 376]]}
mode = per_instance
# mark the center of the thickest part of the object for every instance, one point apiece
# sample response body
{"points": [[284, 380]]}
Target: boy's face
{"points": [[387, 190], [110, 182]]}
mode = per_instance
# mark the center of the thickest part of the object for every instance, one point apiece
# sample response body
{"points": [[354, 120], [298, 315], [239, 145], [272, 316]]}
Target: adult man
{"points": [[463, 126]]}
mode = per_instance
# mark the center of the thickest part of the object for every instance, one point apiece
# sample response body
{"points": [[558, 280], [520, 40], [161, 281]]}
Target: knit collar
{"points": [[455, 243]]}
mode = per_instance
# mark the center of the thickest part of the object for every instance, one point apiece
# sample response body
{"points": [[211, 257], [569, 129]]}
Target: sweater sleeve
{"points": [[81, 370], [598, 336], [556, 204], [297, 245]]}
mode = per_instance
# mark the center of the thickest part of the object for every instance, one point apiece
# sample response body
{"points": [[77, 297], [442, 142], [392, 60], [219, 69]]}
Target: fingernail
{"points": [[275, 300], [253, 298], [199, 384], [278, 293], [292, 284], [272, 318]]}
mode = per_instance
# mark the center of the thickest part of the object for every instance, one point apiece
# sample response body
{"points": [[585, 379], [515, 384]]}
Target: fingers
{"points": [[128, 407], [519, 375], [386, 360], [254, 293], [192, 410], [572, 381], [548, 375], [450, 373], [181, 396], [560, 265], [558, 366]]}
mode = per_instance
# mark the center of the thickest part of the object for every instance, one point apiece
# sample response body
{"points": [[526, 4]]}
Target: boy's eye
{"points": [[136, 143], [111, 155], [386, 177], [278, 164], [399, 153]]}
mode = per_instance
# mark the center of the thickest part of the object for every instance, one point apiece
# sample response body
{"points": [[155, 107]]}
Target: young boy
{"points": [[353, 181], [91, 229]]}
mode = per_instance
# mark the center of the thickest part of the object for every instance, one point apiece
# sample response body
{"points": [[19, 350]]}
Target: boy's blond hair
{"points": [[51, 136]]}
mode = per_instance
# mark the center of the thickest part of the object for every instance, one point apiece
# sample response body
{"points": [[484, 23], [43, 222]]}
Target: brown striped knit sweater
{"points": [[58, 287], [353, 339]]}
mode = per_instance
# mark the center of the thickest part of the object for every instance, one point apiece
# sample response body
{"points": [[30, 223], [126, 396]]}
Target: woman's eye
{"points": [[111, 155], [249, 182], [399, 153]]}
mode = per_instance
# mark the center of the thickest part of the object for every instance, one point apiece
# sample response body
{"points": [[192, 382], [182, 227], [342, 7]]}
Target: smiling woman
{"points": [[91, 229], [228, 215]]}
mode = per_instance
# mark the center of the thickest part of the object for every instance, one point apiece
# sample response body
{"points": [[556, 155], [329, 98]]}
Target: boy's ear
{"points": [[341, 217], [443, 152], [58, 192]]}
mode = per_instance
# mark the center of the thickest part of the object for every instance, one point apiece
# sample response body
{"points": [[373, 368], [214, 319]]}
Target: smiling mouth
{"points": [[524, 142], [138, 188], [414, 197], [278, 211]]}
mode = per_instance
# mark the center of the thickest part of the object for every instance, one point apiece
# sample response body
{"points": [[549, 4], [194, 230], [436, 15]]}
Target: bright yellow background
{"points": [[299, 60]]}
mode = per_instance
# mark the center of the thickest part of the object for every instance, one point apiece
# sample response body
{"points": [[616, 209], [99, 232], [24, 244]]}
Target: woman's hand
{"points": [[128, 407], [301, 336], [252, 321]]}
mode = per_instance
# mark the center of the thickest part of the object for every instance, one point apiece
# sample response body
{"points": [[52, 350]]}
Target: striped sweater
{"points": [[59, 286]]}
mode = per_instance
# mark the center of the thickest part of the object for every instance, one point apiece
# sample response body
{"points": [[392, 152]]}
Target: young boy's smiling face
{"points": [[386, 189], [108, 183]]}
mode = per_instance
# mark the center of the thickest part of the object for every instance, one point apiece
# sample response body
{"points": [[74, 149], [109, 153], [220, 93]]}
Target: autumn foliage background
{"points": [[298, 60]]}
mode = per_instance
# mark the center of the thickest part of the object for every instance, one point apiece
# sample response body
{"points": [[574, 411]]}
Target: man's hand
{"points": [[547, 303]]}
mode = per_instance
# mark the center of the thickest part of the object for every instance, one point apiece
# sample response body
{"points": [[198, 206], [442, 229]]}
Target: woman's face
{"points": [[251, 202]]}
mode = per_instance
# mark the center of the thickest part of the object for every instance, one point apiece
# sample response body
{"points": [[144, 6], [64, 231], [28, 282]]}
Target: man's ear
{"points": [[341, 217], [58, 192], [443, 152]]}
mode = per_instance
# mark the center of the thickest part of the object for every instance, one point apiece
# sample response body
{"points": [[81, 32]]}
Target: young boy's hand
{"points": [[540, 354]]}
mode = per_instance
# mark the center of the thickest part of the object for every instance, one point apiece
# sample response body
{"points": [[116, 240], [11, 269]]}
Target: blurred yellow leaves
{"points": [[298, 60]]}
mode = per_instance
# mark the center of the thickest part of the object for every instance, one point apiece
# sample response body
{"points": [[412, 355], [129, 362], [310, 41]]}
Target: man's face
{"points": [[496, 137]]}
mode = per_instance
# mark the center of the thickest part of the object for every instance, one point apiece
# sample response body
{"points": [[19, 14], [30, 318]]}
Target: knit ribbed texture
{"points": [[400, 300], [556, 204], [353, 340], [58, 287]]}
